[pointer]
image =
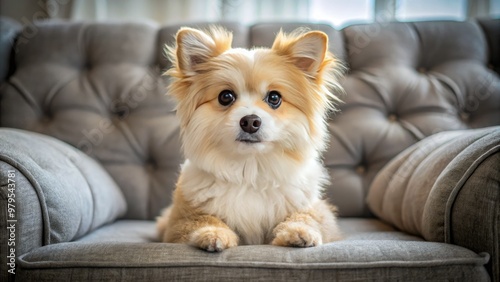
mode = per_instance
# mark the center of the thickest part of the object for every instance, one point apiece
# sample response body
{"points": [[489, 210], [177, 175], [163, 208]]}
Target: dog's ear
{"points": [[195, 47], [307, 51]]}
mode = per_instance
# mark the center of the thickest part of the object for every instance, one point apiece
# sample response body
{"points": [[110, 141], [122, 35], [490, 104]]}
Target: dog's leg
{"points": [[308, 228], [190, 226]]}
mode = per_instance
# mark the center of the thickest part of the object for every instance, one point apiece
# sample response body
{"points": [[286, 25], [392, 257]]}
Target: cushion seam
{"points": [[480, 260], [39, 193]]}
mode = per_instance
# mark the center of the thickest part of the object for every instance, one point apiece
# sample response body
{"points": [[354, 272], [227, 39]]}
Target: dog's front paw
{"points": [[296, 235], [213, 239]]}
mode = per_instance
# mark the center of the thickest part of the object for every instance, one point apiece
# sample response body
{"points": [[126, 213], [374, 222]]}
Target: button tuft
{"points": [[360, 169], [392, 118]]}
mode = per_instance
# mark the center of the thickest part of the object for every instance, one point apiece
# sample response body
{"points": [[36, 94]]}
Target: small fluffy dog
{"points": [[253, 129]]}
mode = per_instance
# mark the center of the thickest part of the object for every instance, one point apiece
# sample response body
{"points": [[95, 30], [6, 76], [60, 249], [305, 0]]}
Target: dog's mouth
{"points": [[248, 138]]}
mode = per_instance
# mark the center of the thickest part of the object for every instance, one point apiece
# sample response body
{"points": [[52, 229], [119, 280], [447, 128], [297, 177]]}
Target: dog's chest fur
{"points": [[252, 210]]}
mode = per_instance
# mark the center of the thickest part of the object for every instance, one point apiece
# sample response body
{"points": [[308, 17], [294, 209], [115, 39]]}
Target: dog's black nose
{"points": [[250, 123]]}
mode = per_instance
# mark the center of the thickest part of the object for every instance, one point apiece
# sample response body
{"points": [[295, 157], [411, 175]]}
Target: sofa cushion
{"points": [[60, 193], [98, 87], [406, 81], [143, 231], [446, 188], [362, 256]]}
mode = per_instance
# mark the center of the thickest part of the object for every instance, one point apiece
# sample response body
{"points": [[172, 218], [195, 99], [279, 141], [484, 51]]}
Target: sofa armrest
{"points": [[446, 188], [56, 193]]}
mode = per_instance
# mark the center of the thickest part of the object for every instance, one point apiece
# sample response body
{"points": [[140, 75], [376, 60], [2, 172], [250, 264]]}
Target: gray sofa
{"points": [[90, 143]]}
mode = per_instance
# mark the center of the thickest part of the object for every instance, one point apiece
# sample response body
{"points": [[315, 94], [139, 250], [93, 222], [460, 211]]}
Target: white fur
{"points": [[253, 201]]}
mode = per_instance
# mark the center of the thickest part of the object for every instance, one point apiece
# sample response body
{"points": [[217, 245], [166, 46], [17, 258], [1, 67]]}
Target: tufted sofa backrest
{"points": [[406, 82], [99, 88]]}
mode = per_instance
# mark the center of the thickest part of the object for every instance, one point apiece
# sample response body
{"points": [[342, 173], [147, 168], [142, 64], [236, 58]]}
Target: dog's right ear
{"points": [[194, 47]]}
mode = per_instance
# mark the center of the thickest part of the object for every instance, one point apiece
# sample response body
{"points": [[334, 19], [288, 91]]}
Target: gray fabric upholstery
{"points": [[439, 187], [131, 231], [143, 231], [98, 87], [60, 193], [406, 81], [343, 261], [29, 231], [371, 250]]}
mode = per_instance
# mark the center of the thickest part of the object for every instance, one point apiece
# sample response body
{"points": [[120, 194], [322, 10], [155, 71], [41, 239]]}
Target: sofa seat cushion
{"points": [[370, 249], [143, 231]]}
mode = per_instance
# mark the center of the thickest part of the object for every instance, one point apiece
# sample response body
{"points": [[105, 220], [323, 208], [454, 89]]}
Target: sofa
{"points": [[90, 152]]}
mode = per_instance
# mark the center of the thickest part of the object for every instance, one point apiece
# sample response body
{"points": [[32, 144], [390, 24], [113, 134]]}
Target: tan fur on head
{"points": [[194, 47], [251, 187]]}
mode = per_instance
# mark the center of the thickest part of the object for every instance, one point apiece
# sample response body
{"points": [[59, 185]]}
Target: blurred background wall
{"points": [[336, 12]]}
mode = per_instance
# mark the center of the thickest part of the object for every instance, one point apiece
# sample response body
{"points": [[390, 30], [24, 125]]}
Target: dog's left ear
{"points": [[306, 50], [195, 47]]}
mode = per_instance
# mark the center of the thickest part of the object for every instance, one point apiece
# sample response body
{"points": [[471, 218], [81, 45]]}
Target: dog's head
{"points": [[238, 103]]}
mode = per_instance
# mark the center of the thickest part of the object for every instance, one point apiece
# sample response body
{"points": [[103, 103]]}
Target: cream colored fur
{"points": [[232, 192]]}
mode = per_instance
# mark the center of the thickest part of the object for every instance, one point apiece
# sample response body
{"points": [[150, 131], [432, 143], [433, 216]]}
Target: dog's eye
{"points": [[226, 97], [273, 99]]}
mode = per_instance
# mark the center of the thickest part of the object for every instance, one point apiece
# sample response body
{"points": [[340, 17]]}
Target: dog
{"points": [[253, 128]]}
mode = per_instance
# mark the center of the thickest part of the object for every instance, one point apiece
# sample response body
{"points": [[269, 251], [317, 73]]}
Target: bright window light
{"points": [[495, 8], [340, 12], [411, 10]]}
